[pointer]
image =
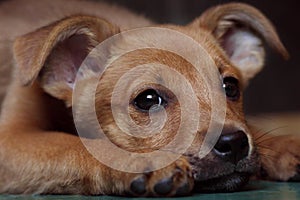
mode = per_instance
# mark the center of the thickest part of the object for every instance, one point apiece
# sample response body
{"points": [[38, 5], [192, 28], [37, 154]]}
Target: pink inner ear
{"points": [[239, 44], [245, 51], [78, 47], [64, 61]]}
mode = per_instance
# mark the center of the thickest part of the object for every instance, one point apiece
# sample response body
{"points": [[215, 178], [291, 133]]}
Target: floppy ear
{"points": [[54, 53], [241, 30]]}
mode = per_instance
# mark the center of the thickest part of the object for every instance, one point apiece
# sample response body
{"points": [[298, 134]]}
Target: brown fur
{"points": [[40, 151]]}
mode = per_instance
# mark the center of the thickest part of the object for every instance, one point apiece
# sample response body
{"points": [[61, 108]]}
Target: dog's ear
{"points": [[53, 54], [241, 30]]}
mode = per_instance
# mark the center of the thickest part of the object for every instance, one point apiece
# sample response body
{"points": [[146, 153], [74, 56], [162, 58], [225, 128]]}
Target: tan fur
{"points": [[40, 151], [278, 139]]}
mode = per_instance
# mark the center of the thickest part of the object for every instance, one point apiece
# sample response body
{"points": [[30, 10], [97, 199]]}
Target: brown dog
{"points": [[40, 151]]}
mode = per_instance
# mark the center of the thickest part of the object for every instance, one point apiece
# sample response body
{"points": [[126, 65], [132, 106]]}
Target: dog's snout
{"points": [[232, 147]]}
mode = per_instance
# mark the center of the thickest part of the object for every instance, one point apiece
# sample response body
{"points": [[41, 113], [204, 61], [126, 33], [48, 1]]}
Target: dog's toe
{"points": [[167, 185], [179, 181], [183, 190], [164, 186], [173, 180], [138, 185]]}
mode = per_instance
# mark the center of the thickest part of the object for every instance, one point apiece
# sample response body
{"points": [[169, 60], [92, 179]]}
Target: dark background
{"points": [[276, 88]]}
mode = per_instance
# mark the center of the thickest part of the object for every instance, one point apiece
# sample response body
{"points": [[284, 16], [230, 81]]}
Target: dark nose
{"points": [[232, 147]]}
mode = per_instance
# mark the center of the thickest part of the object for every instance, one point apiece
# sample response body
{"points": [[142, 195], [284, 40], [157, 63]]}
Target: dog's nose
{"points": [[232, 147]]}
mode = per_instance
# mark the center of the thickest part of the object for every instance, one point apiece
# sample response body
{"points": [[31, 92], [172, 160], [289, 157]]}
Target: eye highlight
{"points": [[149, 99], [231, 87]]}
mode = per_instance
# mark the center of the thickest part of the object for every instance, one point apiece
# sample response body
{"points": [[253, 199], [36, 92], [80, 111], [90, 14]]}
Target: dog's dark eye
{"points": [[231, 87], [149, 99]]}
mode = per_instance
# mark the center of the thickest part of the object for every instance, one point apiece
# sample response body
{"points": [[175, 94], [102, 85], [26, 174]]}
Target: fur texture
{"points": [[40, 151]]}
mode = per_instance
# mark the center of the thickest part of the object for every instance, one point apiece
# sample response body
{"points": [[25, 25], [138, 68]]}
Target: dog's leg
{"points": [[280, 157], [36, 161], [43, 162]]}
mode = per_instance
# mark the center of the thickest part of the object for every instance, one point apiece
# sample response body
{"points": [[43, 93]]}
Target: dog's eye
{"points": [[231, 87], [149, 99]]}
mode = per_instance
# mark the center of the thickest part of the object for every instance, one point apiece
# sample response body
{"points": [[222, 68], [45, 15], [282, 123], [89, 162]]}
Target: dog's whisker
{"points": [[268, 133], [267, 156], [268, 139], [268, 148], [261, 135]]}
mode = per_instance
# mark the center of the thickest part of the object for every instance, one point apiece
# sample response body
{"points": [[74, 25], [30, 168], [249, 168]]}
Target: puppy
{"points": [[43, 150]]}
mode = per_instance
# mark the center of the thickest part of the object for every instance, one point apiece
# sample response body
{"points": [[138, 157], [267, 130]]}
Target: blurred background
{"points": [[276, 88]]}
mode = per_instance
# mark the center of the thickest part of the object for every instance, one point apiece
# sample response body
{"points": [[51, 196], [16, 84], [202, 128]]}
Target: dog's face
{"points": [[232, 35]]}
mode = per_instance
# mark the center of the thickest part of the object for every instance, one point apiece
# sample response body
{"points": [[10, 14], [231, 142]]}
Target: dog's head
{"points": [[233, 38]]}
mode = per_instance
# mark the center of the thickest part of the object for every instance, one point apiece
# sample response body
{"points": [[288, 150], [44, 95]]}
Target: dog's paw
{"points": [[280, 158], [173, 180]]}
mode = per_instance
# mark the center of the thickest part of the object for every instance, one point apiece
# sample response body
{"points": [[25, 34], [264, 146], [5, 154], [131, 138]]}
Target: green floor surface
{"points": [[257, 190]]}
